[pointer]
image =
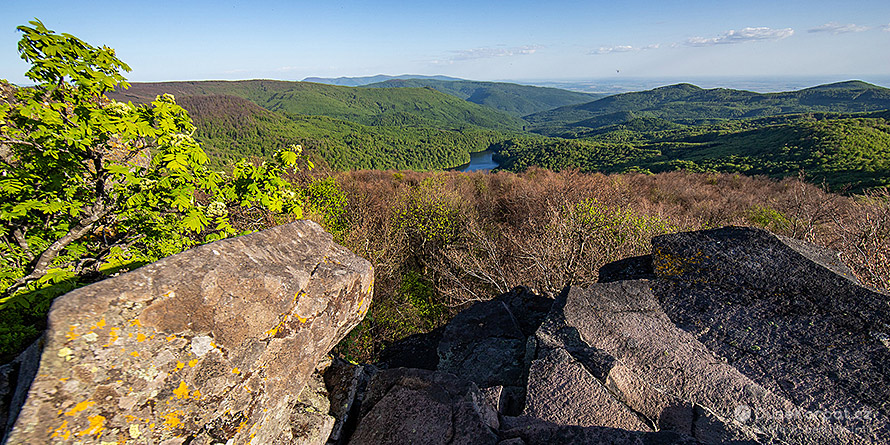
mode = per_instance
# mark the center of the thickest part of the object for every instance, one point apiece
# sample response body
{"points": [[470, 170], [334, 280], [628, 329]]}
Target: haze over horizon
{"points": [[531, 42]]}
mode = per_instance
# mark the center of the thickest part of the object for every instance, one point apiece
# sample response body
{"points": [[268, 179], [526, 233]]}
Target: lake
{"points": [[479, 161]]}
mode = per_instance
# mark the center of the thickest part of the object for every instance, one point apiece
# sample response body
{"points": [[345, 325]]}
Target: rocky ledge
{"points": [[732, 335]]}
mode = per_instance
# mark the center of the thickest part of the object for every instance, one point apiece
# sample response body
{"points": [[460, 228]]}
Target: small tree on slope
{"points": [[89, 185]]}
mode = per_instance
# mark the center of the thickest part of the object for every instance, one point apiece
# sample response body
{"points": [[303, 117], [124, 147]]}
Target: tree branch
{"points": [[44, 261]]}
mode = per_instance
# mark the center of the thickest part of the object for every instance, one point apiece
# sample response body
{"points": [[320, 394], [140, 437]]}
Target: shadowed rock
{"points": [[424, 407], [210, 345]]}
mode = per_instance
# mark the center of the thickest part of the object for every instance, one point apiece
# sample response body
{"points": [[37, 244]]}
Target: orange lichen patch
{"points": [[71, 335], [241, 425], [171, 338], [134, 354], [273, 331], [112, 337], [140, 338], [182, 392], [61, 432], [135, 322], [193, 363], [236, 371], [97, 424], [301, 319], [79, 407], [180, 365], [171, 420], [99, 325], [196, 394]]}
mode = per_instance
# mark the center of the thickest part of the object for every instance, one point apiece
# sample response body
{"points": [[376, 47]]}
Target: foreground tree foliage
{"points": [[90, 186]]}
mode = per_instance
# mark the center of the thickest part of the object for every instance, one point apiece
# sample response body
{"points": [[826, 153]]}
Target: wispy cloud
{"points": [[623, 49], [743, 35], [887, 27], [488, 53], [839, 28]]}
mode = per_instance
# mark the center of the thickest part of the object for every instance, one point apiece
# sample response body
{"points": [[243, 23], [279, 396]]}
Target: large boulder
{"points": [[211, 345], [786, 314]]}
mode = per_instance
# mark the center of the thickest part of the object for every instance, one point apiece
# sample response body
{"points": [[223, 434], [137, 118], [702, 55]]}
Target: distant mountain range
{"points": [[518, 100], [689, 104], [359, 81]]}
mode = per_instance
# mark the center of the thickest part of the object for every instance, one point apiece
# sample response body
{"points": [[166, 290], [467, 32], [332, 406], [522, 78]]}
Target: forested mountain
{"points": [[689, 104], [849, 152], [367, 106], [231, 127], [515, 99], [365, 80], [818, 131]]}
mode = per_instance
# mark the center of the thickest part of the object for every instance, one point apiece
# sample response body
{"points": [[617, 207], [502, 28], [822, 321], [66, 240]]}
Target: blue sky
{"points": [[483, 40]]}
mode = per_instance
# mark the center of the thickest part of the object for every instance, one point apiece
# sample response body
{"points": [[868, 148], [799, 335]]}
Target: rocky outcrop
{"points": [[209, 346], [732, 335]]}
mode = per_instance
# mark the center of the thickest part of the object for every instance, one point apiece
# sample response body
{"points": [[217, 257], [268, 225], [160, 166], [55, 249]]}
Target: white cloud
{"points": [[837, 28], [488, 53], [887, 27], [741, 36], [623, 49]]}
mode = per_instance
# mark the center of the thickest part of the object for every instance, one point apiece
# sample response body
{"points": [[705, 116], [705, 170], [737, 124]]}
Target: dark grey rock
{"points": [[424, 407], [562, 391], [787, 314], [536, 431], [633, 268]]}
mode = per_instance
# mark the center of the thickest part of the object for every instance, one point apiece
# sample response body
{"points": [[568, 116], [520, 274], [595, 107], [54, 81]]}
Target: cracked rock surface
{"points": [[208, 346], [732, 335]]}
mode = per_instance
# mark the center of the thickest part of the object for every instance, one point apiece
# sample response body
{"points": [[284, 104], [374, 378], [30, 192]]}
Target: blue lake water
{"points": [[480, 161]]}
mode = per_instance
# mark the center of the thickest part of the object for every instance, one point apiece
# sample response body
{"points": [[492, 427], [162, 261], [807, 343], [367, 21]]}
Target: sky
{"points": [[480, 40]]}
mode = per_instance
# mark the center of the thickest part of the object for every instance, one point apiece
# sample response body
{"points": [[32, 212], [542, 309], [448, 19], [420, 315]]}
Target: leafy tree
{"points": [[89, 185]]}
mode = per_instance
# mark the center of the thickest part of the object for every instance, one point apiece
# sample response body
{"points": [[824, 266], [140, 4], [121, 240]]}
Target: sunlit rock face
{"points": [[210, 345]]}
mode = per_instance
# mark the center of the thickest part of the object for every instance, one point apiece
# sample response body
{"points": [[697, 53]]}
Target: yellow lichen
{"points": [[192, 363], [112, 337], [135, 322], [171, 420], [182, 392], [134, 354], [71, 335], [140, 338], [179, 365], [79, 407], [61, 432], [97, 424], [236, 371]]}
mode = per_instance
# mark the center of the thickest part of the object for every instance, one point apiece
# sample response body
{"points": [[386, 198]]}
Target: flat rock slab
{"points": [[788, 315], [529, 430], [670, 377], [210, 345], [418, 406]]}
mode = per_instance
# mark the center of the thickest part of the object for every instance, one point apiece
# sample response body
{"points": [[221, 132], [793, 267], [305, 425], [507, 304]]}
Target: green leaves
{"points": [[89, 184]]}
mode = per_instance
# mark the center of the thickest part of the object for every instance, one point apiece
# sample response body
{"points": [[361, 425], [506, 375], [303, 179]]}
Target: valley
{"points": [[836, 134]]}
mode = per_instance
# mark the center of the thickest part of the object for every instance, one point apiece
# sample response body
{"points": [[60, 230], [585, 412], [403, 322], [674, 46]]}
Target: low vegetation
{"points": [[439, 241]]}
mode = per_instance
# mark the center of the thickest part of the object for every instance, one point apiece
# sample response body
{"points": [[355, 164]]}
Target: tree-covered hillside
{"points": [[845, 151], [366, 106], [230, 127], [518, 100], [689, 104]]}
